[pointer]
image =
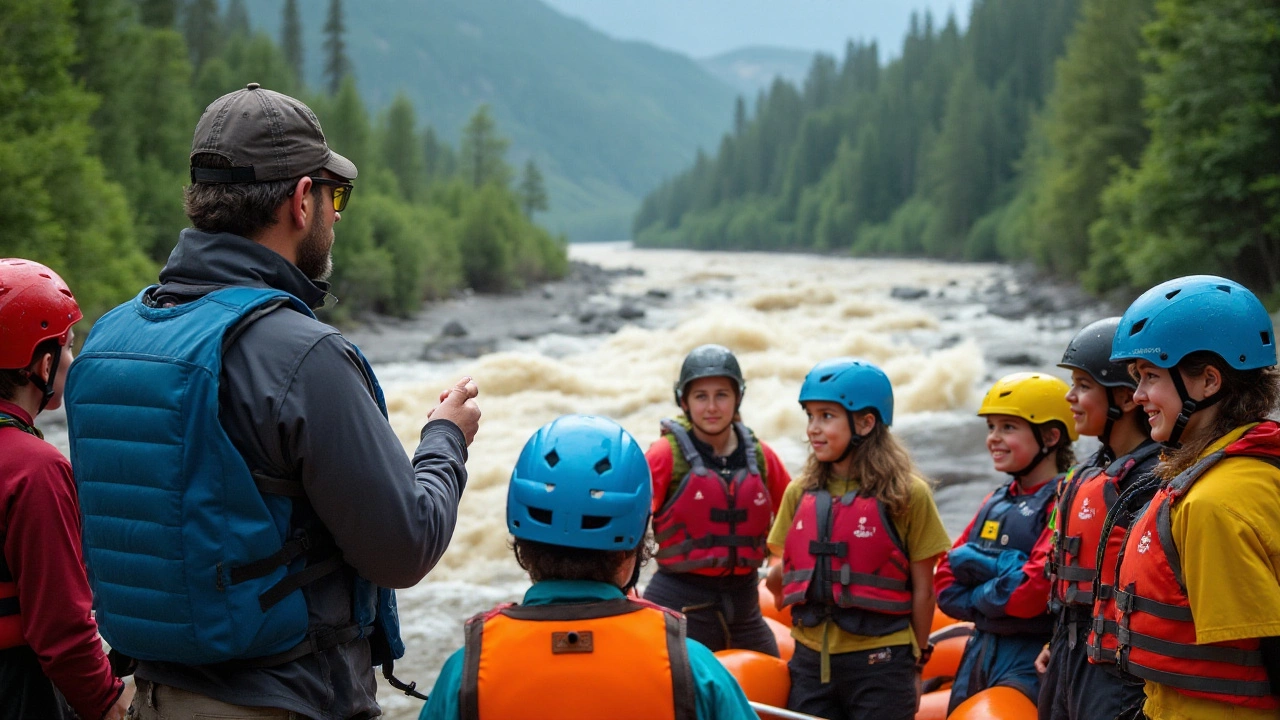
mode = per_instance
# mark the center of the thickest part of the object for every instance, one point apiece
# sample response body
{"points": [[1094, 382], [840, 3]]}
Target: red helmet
{"points": [[35, 305]]}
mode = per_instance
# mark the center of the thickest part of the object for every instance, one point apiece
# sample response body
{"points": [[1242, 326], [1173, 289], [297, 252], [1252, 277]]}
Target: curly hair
{"points": [[544, 561]]}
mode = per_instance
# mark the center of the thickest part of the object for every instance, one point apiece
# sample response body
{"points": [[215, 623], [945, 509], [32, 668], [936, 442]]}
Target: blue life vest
{"points": [[1008, 523], [192, 555]]}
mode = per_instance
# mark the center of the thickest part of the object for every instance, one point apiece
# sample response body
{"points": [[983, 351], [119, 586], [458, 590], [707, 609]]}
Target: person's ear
{"points": [[863, 424], [301, 203]]}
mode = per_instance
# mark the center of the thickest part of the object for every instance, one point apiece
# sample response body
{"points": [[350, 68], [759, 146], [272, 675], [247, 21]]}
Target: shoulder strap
{"points": [[685, 444], [752, 447]]}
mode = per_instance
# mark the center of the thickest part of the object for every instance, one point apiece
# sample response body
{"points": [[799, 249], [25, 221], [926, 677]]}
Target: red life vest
{"points": [[10, 617], [1083, 508], [851, 548], [1156, 630], [713, 526], [622, 658]]}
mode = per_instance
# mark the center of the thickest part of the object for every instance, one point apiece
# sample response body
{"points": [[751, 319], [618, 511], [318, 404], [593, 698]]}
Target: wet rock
{"points": [[949, 341], [454, 329], [458, 349], [630, 312], [1018, 359], [587, 317], [658, 294], [908, 293], [547, 294]]}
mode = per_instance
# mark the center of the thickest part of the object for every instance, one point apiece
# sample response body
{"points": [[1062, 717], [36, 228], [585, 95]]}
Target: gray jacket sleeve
{"points": [[313, 417]]}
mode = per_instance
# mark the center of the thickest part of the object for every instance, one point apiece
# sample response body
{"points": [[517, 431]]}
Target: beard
{"points": [[315, 258]]}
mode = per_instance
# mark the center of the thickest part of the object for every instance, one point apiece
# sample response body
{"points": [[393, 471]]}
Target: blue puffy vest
{"points": [[191, 554]]}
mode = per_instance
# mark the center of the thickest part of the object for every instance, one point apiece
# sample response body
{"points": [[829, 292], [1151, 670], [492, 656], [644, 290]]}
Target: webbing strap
{"points": [[1246, 688], [294, 581], [724, 515], [683, 691], [1185, 651], [838, 549], [1127, 601], [314, 643], [1074, 573], [848, 577], [287, 553]]}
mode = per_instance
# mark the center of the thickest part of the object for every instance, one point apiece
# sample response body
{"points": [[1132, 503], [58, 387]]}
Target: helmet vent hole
{"points": [[1006, 393], [1169, 295], [826, 377], [44, 324], [594, 522], [617, 539], [540, 516], [66, 292], [45, 276], [1266, 338], [552, 458], [1225, 288], [603, 466], [1137, 327], [3, 290]]}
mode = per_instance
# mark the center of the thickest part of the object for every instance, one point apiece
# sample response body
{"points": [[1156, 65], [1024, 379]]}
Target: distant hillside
{"points": [[753, 69], [606, 120]]}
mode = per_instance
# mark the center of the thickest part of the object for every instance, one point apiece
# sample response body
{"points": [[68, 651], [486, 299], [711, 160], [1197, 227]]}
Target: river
{"points": [[946, 333]]}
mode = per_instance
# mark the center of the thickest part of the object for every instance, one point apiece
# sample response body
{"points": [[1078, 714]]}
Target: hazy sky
{"points": [[708, 27]]}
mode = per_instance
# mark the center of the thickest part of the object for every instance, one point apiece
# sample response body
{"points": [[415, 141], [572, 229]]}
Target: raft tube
{"points": [[996, 703]]}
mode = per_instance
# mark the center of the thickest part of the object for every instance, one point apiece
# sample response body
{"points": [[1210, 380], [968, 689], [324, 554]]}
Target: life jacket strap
{"points": [[1196, 683]]}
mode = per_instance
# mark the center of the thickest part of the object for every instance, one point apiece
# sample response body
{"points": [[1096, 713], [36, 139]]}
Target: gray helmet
{"points": [[709, 361], [1090, 351]]}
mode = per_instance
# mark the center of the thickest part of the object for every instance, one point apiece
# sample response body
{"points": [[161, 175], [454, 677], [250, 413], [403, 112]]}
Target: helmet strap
{"points": [[854, 440], [1114, 413], [45, 386], [1041, 454], [1189, 407]]}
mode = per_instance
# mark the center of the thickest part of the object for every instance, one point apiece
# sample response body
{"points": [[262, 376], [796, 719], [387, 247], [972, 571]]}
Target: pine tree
{"points": [[158, 13], [237, 19], [337, 65], [291, 40], [439, 160], [399, 146], [533, 191], [346, 124], [739, 116], [483, 151], [203, 29]]}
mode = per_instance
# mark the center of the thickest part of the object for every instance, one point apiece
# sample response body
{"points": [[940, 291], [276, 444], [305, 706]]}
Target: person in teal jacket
{"points": [[579, 646]]}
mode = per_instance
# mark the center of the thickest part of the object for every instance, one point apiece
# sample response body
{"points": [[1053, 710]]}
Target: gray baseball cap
{"points": [[265, 136]]}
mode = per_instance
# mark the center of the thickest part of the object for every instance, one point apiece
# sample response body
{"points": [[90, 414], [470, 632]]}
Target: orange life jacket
{"points": [[1156, 632], [622, 658]]}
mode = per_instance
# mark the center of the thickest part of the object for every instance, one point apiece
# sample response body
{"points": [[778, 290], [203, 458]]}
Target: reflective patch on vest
{"points": [[990, 530], [1086, 512], [1025, 509], [1144, 544], [563, 643], [760, 499], [800, 525], [697, 495], [862, 531]]}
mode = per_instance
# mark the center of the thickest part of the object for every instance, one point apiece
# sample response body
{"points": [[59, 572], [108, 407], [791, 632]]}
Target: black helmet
{"points": [[1090, 351], [709, 361]]}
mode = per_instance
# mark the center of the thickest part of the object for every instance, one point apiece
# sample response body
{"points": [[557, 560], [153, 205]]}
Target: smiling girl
{"points": [[1096, 504], [1197, 594], [715, 489], [859, 536], [994, 575]]}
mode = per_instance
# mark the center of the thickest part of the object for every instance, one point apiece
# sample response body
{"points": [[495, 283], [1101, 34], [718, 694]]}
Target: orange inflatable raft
{"points": [[997, 703]]}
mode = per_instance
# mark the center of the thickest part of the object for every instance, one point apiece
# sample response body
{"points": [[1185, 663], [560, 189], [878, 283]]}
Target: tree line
{"points": [[97, 105], [1114, 142]]}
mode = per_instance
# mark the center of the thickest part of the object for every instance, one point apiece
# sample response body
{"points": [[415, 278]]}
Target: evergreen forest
{"points": [[1114, 142], [98, 101]]}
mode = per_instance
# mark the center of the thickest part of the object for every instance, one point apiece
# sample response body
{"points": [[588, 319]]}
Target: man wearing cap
{"points": [[247, 505]]}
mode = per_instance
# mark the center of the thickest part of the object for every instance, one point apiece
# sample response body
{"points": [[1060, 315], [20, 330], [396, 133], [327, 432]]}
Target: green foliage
{"points": [[202, 26], [1205, 196], [236, 21], [64, 211], [96, 114], [158, 13]]}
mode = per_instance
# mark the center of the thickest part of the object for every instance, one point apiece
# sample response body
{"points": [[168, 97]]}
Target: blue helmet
{"points": [[1197, 312], [853, 384], [581, 481]]}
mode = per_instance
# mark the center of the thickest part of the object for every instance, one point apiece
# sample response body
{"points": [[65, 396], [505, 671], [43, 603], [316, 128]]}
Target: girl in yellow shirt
{"points": [[859, 535]]}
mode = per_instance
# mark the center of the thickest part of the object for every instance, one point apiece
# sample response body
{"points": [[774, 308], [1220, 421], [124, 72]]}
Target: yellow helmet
{"points": [[1035, 397]]}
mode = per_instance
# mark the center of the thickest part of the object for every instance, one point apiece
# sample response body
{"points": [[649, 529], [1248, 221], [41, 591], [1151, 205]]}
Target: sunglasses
{"points": [[341, 191]]}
